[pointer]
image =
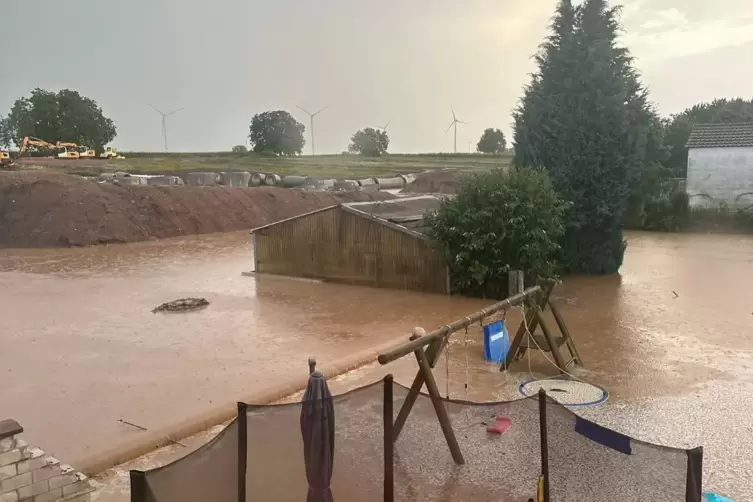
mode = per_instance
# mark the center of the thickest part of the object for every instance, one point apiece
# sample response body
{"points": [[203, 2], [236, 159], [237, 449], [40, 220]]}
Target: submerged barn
{"points": [[380, 243]]}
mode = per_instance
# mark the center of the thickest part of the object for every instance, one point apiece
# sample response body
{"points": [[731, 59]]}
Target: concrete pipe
{"points": [[164, 181], [257, 179], [272, 180], [408, 178], [390, 183], [367, 181], [294, 181], [326, 184], [236, 179], [201, 179], [346, 185]]}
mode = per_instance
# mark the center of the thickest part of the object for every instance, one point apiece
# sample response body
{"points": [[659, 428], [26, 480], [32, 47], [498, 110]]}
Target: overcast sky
{"points": [[370, 62]]}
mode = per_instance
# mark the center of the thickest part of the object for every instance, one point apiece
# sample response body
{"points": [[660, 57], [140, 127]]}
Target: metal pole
{"points": [[694, 482], [313, 150], [389, 479], [544, 446], [242, 424]]}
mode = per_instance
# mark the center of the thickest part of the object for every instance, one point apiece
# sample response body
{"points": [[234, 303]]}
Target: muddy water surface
{"points": [[671, 338], [82, 349]]}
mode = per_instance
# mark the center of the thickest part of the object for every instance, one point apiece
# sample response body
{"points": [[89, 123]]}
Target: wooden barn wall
{"points": [[341, 247]]}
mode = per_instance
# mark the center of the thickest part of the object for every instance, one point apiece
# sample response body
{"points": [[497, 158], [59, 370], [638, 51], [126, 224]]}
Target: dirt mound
{"points": [[40, 209], [435, 182]]}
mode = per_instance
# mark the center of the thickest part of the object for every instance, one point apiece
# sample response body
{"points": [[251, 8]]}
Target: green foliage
{"points": [[585, 118], [492, 141], [680, 126], [667, 212], [6, 138], [239, 149], [369, 142], [498, 221], [63, 116], [277, 132]]}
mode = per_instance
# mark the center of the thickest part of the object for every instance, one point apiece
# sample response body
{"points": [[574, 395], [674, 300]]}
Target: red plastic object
{"points": [[500, 427]]}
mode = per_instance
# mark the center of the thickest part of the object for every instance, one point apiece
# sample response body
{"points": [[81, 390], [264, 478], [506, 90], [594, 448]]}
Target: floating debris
{"points": [[182, 305]]}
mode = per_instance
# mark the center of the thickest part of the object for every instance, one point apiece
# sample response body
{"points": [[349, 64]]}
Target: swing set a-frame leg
{"points": [[529, 324], [574, 354], [426, 360], [432, 354]]}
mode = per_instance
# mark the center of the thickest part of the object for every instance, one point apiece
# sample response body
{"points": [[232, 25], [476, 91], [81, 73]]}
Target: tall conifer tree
{"points": [[585, 118]]}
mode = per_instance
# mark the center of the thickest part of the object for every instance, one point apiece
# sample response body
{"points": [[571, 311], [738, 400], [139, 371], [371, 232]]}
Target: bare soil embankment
{"points": [[39, 209]]}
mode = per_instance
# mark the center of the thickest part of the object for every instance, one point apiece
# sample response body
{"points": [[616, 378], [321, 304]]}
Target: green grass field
{"points": [[336, 166]]}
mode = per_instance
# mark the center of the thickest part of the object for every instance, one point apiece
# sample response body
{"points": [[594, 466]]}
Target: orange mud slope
{"points": [[56, 210]]}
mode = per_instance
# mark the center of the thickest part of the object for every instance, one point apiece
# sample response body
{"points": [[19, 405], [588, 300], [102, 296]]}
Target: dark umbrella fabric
{"points": [[318, 431]]}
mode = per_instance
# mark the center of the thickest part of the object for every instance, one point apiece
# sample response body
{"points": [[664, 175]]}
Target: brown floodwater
{"points": [[671, 338]]}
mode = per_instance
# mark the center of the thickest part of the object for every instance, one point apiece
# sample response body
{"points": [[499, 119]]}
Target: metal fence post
{"points": [[242, 422], [544, 445], [389, 479], [694, 483]]}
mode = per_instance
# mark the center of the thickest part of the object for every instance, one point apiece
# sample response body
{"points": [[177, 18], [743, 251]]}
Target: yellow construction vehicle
{"points": [[85, 152], [67, 150], [37, 143], [110, 153], [5, 161]]}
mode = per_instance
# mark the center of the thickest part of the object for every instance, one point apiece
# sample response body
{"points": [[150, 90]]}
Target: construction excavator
{"points": [[5, 161], [39, 144], [59, 150]]}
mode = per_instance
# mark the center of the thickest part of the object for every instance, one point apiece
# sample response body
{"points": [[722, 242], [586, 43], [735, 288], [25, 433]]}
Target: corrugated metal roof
{"points": [[406, 212], [721, 136]]}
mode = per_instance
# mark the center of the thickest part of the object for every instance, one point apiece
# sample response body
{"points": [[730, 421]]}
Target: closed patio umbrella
{"points": [[318, 431]]}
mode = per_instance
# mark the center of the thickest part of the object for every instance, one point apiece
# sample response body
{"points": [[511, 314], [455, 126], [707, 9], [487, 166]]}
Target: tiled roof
{"points": [[721, 136]]}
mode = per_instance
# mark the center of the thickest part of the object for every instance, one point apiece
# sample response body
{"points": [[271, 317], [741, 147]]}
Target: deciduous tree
{"points": [[277, 132], [492, 141], [680, 126], [499, 221], [369, 142], [59, 116]]}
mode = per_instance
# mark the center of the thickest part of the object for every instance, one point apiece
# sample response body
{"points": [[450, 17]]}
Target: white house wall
{"points": [[721, 173]]}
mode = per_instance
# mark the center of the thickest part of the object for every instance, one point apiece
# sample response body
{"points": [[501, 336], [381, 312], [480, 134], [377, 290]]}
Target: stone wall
{"points": [[29, 474]]}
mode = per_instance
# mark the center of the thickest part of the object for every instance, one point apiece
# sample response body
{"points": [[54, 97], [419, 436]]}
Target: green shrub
{"points": [[499, 221], [669, 212]]}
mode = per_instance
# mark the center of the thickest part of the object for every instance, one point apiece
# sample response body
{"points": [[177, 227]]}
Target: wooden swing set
{"points": [[429, 348]]}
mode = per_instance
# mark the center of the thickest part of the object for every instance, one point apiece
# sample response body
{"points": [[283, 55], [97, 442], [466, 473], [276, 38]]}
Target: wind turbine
{"points": [[312, 115], [455, 123], [384, 127], [164, 121]]}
